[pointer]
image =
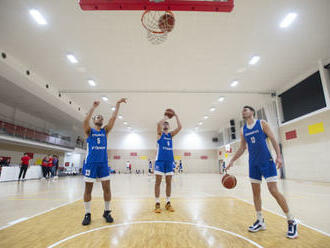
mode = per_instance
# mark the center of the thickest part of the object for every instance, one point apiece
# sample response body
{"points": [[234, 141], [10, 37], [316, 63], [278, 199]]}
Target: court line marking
{"points": [[299, 221], [14, 222], [157, 222]]}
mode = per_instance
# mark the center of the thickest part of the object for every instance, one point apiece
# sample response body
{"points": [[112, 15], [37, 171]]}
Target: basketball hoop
{"points": [[158, 24]]}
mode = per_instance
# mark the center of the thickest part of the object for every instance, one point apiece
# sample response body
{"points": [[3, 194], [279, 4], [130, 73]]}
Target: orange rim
{"points": [[150, 30]]}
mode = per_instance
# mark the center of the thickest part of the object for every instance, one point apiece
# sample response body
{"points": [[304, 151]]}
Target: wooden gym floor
{"points": [[206, 215]]}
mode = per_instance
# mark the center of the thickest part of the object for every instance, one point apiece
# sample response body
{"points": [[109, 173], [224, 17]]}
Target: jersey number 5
{"points": [[98, 140]]}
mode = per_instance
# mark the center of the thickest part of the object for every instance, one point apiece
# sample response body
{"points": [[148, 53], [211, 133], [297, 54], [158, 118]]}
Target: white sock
{"points": [[157, 200], [107, 205], [259, 216], [289, 216], [168, 199], [87, 206]]}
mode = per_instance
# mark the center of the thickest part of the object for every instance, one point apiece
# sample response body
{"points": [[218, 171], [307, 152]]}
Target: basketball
{"points": [[224, 177], [169, 113], [229, 181], [166, 22]]}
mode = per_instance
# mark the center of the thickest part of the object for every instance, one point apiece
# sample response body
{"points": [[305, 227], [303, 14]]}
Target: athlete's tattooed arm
{"points": [[272, 139], [239, 152], [87, 128], [113, 118], [179, 126]]}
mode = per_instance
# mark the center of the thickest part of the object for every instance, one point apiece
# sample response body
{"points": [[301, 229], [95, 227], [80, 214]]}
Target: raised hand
{"points": [[96, 104], [122, 100]]}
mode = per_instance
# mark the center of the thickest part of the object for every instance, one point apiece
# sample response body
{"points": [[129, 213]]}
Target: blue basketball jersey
{"points": [[257, 145], [97, 147], [165, 149]]}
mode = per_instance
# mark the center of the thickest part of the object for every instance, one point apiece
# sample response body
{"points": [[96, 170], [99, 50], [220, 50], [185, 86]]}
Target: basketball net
{"points": [[150, 21]]}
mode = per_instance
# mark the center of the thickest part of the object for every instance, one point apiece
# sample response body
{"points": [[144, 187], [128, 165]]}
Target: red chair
{"points": [[29, 133], [9, 128], [20, 131], [38, 135]]}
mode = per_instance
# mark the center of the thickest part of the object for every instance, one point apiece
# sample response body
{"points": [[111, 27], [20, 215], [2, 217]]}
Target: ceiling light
{"points": [[113, 108], [221, 99], [120, 117], [200, 123], [91, 82], [104, 98], [125, 123], [38, 17], [254, 60], [72, 58], [234, 83], [212, 109], [205, 117], [287, 21]]}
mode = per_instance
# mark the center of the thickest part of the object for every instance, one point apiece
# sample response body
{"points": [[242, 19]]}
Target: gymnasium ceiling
{"points": [[204, 53]]}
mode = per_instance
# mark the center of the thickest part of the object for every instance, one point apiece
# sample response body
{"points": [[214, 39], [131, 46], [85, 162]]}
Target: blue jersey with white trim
{"points": [[257, 145], [165, 149], [97, 146]]}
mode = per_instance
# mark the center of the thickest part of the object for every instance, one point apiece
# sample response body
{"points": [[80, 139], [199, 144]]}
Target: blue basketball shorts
{"points": [[266, 169], [163, 167], [96, 171]]}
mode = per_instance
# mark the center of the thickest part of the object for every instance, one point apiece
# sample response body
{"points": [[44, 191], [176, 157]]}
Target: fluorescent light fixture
{"points": [[125, 123], [104, 98], [113, 108], [212, 109], [120, 117], [205, 117], [288, 19], [234, 83], [37, 16], [91, 83], [254, 60], [72, 58], [200, 123], [221, 99]]}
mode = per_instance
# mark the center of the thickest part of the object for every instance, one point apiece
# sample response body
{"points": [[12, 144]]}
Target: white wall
{"points": [[198, 144], [75, 158], [148, 140], [307, 156]]}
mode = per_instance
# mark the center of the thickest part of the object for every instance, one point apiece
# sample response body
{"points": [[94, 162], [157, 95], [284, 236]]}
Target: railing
{"points": [[31, 134]]}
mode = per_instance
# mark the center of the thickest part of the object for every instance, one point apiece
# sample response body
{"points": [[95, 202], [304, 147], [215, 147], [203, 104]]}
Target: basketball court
{"points": [[197, 68]]}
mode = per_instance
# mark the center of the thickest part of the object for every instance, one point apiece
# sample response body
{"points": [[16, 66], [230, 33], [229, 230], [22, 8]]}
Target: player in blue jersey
{"points": [[254, 135], [164, 161], [96, 163], [150, 168], [180, 167]]}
